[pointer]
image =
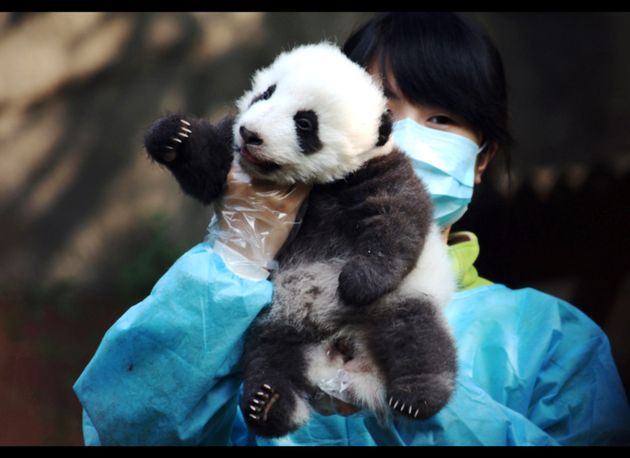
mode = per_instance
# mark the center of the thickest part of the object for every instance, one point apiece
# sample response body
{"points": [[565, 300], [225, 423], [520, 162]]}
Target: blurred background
{"points": [[88, 224]]}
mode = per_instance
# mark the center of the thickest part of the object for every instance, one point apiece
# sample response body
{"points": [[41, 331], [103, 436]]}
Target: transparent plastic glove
{"points": [[333, 397], [253, 221], [334, 390]]}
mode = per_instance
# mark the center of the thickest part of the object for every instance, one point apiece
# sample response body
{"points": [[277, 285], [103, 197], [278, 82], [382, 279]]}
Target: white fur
{"points": [[346, 99], [301, 413], [433, 273]]}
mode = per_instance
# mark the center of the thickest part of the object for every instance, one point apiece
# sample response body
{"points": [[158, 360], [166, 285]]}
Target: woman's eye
{"points": [[441, 119]]}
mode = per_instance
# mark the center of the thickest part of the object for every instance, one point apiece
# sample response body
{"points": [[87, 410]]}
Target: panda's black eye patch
{"points": [[306, 127], [265, 95]]}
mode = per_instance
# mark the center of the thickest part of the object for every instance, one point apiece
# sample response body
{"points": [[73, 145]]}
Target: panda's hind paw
{"points": [[420, 396], [271, 410], [261, 403]]}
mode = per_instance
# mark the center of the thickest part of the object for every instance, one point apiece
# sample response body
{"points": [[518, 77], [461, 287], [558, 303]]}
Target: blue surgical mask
{"points": [[445, 162]]}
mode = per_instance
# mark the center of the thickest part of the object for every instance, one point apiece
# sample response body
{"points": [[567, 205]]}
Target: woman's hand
{"points": [[344, 409], [256, 219]]}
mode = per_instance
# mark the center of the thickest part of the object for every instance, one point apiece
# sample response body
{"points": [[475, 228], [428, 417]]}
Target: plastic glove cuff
{"points": [[239, 264]]}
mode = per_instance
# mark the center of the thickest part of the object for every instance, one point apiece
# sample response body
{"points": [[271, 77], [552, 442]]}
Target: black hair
{"points": [[440, 59]]}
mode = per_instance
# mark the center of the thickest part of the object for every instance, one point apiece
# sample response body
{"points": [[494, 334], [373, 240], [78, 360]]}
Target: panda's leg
{"points": [[413, 346], [275, 393], [197, 153]]}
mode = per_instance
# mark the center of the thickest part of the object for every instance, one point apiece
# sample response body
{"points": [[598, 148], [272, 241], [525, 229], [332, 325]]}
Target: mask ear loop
{"points": [[481, 148]]}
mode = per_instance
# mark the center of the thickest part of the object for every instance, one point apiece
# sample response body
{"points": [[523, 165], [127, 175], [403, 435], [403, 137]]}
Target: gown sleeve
{"points": [[167, 372]]}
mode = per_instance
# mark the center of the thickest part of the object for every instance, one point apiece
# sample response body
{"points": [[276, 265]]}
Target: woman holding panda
{"points": [[533, 370]]}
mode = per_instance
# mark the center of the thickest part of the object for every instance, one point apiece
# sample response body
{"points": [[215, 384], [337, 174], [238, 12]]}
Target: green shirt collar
{"points": [[463, 248]]}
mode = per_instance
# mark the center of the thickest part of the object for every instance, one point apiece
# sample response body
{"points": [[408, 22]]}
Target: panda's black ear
{"points": [[385, 129]]}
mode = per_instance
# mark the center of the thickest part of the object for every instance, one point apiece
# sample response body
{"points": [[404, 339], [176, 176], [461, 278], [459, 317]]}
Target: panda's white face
{"points": [[312, 116]]}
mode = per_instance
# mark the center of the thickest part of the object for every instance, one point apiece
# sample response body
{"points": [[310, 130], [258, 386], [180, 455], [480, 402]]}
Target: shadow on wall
{"points": [[85, 181]]}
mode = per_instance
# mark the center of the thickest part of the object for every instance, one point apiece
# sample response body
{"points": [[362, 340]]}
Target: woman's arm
{"points": [[167, 372]]}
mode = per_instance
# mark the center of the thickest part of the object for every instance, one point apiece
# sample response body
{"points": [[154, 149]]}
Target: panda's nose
{"points": [[250, 138]]}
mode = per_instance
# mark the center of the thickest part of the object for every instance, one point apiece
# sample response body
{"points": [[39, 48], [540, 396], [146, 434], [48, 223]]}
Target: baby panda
{"points": [[358, 292]]}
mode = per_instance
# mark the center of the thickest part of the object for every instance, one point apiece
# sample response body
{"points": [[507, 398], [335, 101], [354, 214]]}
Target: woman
{"points": [[532, 368]]}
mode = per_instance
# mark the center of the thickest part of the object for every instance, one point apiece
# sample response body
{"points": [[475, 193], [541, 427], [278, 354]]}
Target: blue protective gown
{"points": [[533, 369]]}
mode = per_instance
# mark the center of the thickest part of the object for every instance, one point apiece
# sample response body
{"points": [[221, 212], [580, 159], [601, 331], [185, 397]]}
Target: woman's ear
{"points": [[483, 159]]}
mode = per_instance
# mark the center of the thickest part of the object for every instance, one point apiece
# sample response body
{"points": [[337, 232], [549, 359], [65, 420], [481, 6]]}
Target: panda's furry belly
{"points": [[306, 295]]}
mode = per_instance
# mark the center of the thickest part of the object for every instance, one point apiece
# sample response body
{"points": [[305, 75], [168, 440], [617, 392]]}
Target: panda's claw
{"points": [[404, 408], [188, 131], [175, 139], [262, 402], [408, 410], [183, 121]]}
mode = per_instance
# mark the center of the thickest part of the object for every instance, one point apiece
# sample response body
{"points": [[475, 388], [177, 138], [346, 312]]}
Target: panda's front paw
{"points": [[165, 139], [361, 282]]}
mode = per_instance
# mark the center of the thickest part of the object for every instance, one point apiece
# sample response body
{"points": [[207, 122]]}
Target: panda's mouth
{"points": [[262, 165]]}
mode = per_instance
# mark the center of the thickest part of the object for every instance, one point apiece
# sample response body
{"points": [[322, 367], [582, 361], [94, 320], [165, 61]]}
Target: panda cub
{"points": [[358, 291]]}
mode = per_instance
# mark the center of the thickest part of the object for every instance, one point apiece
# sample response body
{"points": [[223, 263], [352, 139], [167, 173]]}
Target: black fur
{"points": [[276, 370], [307, 129], [376, 219], [417, 355], [265, 95], [385, 128]]}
